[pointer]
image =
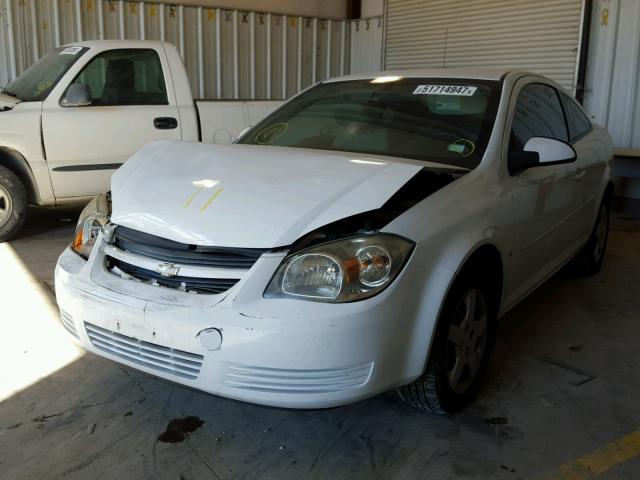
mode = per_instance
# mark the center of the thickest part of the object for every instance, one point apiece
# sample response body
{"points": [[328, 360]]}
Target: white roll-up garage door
{"points": [[538, 35]]}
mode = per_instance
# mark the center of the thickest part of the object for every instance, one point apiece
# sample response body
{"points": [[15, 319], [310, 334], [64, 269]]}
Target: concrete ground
{"points": [[561, 398]]}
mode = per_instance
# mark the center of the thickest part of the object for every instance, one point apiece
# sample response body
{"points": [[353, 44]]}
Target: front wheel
{"points": [[13, 204], [459, 353]]}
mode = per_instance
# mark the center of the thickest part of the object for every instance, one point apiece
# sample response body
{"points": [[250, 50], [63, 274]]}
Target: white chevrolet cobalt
{"points": [[367, 235]]}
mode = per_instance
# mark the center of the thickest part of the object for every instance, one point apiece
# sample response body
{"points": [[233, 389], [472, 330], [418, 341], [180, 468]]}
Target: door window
{"points": [[538, 113], [579, 124], [125, 77]]}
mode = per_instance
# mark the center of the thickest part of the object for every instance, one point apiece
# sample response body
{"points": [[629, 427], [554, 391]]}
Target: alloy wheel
{"points": [[467, 340], [6, 206]]}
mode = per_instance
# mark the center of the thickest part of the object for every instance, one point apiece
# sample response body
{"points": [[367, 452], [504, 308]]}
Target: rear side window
{"points": [[125, 77], [538, 113], [579, 124]]}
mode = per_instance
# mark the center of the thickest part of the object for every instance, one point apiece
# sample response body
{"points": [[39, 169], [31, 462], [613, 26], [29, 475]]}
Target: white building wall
{"points": [[613, 70], [366, 44], [267, 65]]}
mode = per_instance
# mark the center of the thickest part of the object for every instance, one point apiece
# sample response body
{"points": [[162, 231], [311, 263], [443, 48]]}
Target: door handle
{"points": [[579, 176], [165, 123]]}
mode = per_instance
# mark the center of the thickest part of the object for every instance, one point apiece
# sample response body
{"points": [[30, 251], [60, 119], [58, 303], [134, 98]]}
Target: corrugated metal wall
{"points": [[541, 35], [228, 53], [612, 94], [366, 45]]}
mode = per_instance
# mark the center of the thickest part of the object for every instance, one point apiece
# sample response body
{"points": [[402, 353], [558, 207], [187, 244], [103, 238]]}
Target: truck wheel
{"points": [[589, 260], [459, 353], [13, 204]]}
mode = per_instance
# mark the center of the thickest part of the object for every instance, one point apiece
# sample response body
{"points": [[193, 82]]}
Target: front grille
{"points": [[209, 286], [67, 323], [156, 357], [184, 254], [277, 380]]}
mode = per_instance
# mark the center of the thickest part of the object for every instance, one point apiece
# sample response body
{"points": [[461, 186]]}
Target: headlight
{"points": [[94, 216], [341, 271]]}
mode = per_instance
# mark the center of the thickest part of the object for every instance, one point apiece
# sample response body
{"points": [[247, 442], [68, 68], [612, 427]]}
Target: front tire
{"points": [[459, 353], [13, 204]]}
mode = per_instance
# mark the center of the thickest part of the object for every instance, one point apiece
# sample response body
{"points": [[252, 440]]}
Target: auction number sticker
{"points": [[70, 51], [461, 90]]}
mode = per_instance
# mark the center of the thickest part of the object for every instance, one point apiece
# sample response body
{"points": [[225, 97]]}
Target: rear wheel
{"points": [[13, 204], [589, 260], [459, 353]]}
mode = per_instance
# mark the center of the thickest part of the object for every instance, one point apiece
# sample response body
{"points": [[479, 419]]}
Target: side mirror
{"points": [[540, 152], [77, 95]]}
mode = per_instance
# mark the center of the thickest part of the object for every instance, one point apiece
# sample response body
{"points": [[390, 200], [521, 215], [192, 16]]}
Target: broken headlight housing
{"points": [[341, 271], [92, 219]]}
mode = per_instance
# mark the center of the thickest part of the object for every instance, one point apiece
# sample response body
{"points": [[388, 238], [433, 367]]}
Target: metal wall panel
{"points": [[227, 53], [542, 36], [613, 70], [366, 44]]}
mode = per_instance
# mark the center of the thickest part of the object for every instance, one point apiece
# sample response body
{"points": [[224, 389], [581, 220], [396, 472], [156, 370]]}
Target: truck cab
{"points": [[69, 121]]}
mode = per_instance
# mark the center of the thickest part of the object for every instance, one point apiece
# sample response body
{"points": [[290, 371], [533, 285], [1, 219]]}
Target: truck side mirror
{"points": [[77, 95]]}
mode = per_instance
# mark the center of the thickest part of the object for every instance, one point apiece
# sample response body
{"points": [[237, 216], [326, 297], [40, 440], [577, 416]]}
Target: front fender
{"points": [[447, 232], [21, 140]]}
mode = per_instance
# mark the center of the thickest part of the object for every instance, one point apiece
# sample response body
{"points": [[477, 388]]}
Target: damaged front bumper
{"points": [[278, 352]]}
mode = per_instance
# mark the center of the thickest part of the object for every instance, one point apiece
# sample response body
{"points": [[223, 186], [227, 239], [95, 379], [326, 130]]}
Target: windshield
{"points": [[35, 83], [440, 120]]}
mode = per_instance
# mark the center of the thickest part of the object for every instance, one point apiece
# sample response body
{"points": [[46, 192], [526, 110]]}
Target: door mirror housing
{"points": [[540, 152], [77, 95]]}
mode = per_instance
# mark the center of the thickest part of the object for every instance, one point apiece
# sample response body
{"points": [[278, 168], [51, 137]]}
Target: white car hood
{"points": [[247, 196], [7, 101]]}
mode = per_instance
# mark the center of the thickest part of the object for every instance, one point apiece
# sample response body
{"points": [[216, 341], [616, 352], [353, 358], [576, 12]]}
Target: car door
{"points": [[544, 198], [591, 168], [130, 106]]}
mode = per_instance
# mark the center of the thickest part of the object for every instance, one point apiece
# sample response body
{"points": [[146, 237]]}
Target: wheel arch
{"points": [[485, 260], [16, 162], [483, 256], [609, 190]]}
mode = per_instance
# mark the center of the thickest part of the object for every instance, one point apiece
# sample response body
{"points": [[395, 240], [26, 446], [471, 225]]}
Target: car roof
{"points": [[118, 44], [462, 73]]}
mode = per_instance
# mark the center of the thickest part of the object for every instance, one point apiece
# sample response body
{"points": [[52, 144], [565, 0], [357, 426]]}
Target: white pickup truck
{"points": [[83, 109]]}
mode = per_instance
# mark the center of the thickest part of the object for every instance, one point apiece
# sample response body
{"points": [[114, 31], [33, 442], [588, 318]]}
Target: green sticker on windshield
{"points": [[462, 146], [269, 134]]}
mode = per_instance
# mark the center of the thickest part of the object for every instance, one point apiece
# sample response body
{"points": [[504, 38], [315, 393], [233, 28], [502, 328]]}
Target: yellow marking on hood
{"points": [[211, 199], [194, 195]]}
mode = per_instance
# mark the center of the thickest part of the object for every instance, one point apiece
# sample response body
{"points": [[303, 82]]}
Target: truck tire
{"points": [[589, 260], [13, 204], [459, 352]]}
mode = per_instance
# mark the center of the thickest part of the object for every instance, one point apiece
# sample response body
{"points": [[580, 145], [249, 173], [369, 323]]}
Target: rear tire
{"points": [[459, 353], [13, 204], [589, 260]]}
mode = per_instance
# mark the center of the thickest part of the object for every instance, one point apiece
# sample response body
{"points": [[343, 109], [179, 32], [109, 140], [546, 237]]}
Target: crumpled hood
{"points": [[7, 102], [247, 196]]}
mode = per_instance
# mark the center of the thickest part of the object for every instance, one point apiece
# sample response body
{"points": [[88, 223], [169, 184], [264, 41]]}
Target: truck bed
{"points": [[222, 120]]}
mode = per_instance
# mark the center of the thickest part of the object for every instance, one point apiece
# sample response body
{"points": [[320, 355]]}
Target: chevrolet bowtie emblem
{"points": [[167, 269]]}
